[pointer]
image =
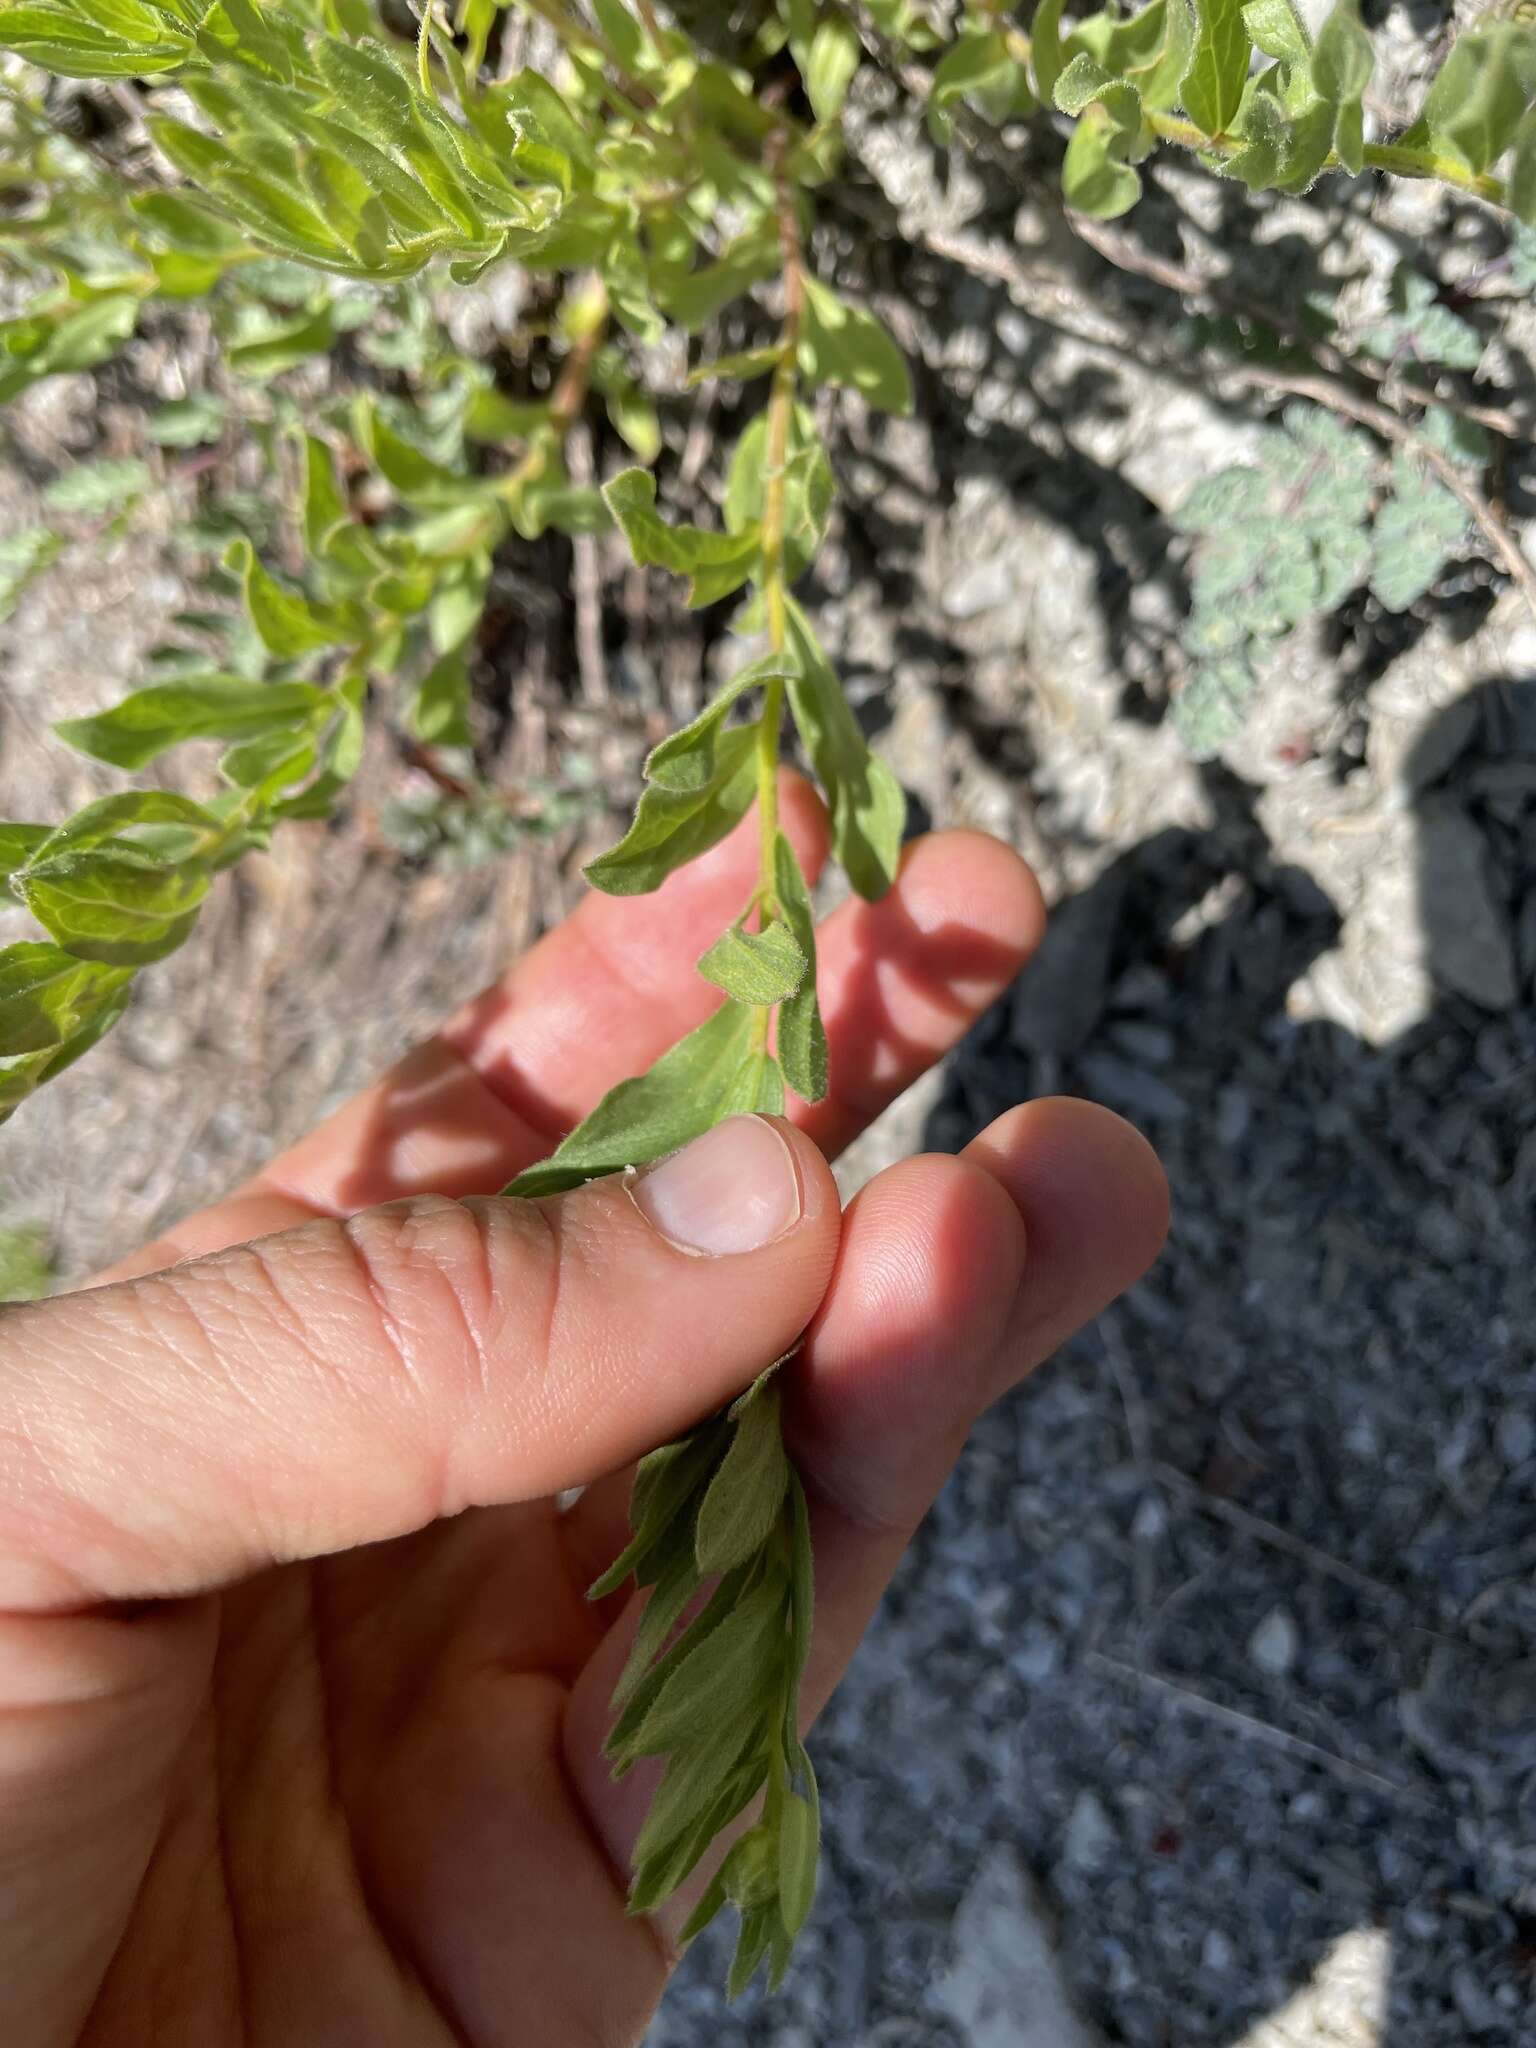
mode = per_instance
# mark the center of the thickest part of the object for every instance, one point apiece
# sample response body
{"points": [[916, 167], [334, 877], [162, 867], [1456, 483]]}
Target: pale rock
{"points": [[1004, 1987]]}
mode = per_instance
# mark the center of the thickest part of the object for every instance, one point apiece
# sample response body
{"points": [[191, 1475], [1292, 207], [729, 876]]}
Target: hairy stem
{"points": [[781, 406]]}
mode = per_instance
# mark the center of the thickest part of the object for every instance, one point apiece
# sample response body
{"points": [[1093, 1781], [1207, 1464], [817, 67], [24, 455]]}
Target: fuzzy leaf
{"points": [[1212, 87], [113, 904], [715, 1685], [843, 344], [140, 728], [802, 1038], [288, 623], [672, 827], [680, 1098], [686, 759], [1096, 177], [47, 996], [686, 550], [1341, 70], [1478, 96], [866, 801], [760, 968], [745, 1496]]}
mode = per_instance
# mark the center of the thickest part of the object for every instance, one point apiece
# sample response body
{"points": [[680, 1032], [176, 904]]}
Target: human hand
{"points": [[301, 1700]]}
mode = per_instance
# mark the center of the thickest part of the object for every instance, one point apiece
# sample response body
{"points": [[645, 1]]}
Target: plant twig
{"points": [[1390, 426], [586, 577], [1005, 268], [1265, 1731], [781, 406], [1127, 254]]}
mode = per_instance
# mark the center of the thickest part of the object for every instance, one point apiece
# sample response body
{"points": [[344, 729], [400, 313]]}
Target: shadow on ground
{"points": [[1229, 1615]]}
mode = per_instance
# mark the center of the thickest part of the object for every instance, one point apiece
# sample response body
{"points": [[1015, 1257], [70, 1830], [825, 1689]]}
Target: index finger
{"points": [[605, 992]]}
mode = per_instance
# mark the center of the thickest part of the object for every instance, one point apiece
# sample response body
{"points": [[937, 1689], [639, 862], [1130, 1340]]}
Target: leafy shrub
{"points": [[313, 172]]}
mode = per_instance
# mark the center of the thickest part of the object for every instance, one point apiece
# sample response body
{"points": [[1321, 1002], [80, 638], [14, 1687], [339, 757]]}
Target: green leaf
{"points": [[18, 843], [799, 1856], [686, 759], [672, 827], [97, 490], [746, 364], [664, 1489], [843, 344], [1278, 30], [140, 728], [758, 1925], [714, 1685], [113, 904], [1341, 70], [47, 995], [741, 1509], [439, 710], [827, 66], [676, 1585], [1095, 175], [1047, 58], [1212, 87], [192, 422], [680, 1098], [289, 624], [1478, 96], [634, 419], [411, 473], [761, 968], [758, 1089], [751, 1871], [866, 801], [977, 58], [702, 1791], [130, 809], [726, 558], [58, 37], [457, 606], [802, 1038]]}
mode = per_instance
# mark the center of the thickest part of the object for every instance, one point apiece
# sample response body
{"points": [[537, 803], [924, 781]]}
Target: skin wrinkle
{"points": [[433, 1482]]}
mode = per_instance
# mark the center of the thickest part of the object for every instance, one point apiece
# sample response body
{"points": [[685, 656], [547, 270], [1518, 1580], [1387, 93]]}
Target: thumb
{"points": [[353, 1380]]}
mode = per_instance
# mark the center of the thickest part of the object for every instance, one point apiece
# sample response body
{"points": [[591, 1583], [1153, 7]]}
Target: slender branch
{"points": [[1387, 425], [1390, 426], [1126, 254], [781, 407]]}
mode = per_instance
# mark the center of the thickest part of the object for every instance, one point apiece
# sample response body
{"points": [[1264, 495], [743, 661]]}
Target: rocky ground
{"points": [[1203, 1714]]}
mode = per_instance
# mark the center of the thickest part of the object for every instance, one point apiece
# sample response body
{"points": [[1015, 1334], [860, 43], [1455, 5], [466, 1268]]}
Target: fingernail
{"points": [[734, 1190]]}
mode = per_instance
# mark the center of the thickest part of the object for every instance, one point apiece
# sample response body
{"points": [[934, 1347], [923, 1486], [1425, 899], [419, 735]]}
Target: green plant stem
{"points": [[781, 406], [1379, 156]]}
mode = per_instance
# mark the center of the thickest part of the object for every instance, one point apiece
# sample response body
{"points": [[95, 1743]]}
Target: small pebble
{"points": [[1274, 1643]]}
